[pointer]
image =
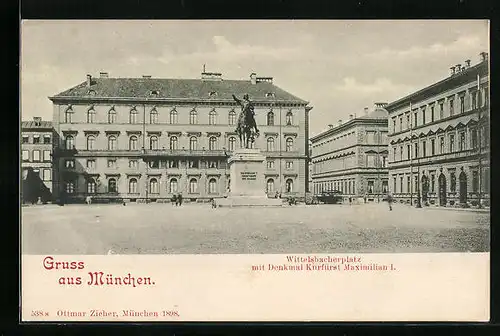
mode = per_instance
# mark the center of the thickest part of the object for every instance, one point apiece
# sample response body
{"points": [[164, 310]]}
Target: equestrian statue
{"points": [[247, 127]]}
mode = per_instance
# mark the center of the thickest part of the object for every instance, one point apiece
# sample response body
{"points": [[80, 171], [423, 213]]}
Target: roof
{"points": [[30, 124], [379, 113], [195, 89]]}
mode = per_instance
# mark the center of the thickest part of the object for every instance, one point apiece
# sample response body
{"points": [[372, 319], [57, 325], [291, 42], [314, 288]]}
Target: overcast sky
{"points": [[338, 66]]}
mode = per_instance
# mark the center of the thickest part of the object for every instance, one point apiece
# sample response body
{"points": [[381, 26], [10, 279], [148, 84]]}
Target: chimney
{"points": [[330, 126], [264, 79], [452, 70], [366, 110], [37, 120], [340, 122], [103, 75], [253, 78], [467, 63], [211, 76], [89, 80], [350, 116], [146, 76], [380, 105], [458, 68]]}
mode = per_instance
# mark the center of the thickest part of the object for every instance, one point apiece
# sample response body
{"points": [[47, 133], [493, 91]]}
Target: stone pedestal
{"points": [[247, 186]]}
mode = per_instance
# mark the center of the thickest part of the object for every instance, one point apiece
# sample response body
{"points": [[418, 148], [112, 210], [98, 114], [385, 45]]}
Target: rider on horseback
{"points": [[247, 110]]}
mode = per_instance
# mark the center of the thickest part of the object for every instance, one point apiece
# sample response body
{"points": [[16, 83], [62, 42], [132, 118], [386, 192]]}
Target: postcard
{"points": [[287, 170]]}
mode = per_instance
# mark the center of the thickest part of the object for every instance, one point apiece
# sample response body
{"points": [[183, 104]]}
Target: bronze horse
{"points": [[247, 127]]}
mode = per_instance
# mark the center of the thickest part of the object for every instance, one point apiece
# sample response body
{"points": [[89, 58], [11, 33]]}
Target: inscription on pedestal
{"points": [[248, 176]]}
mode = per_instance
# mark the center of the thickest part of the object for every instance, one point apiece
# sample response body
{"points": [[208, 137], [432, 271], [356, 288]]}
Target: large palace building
{"points": [[351, 157], [147, 139], [439, 140]]}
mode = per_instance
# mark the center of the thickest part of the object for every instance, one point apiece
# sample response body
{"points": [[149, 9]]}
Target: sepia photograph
{"points": [[348, 145]]}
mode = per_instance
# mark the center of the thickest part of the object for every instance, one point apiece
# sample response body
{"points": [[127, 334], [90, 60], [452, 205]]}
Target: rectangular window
{"points": [[91, 164], [36, 139], [384, 162], [36, 155], [69, 163], [26, 139], [46, 139], [415, 119], [453, 182], [473, 97], [462, 104], [400, 123], [401, 152], [408, 184], [270, 165], [415, 183], [433, 147], [47, 176], [424, 148], [423, 116], [133, 164], [462, 141], [289, 165], [452, 143], [408, 152], [408, 121], [111, 163], [395, 184], [416, 150], [473, 139], [441, 145], [441, 110], [401, 184], [452, 106], [475, 181], [173, 164], [46, 156], [370, 187], [193, 164], [394, 154], [36, 172], [432, 113], [393, 125], [26, 155]]}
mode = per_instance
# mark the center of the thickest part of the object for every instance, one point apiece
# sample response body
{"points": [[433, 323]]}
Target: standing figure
{"points": [[389, 201], [247, 127]]}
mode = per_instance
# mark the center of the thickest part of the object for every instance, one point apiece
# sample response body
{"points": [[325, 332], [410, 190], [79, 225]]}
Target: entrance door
{"points": [[463, 187], [442, 190], [425, 188]]}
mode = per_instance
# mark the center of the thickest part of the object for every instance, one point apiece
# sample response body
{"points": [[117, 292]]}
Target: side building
{"points": [[37, 139], [146, 139], [352, 156], [439, 140]]}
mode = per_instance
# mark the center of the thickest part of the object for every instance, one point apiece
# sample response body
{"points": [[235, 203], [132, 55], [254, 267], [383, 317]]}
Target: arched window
{"points": [[270, 144], [232, 117], [193, 143], [153, 142], [173, 186], [112, 185], [70, 142], [90, 116], [289, 144], [212, 186], [112, 142], [212, 143], [193, 117], [133, 143], [112, 116], [232, 143], [68, 115], [153, 116], [173, 116], [70, 187], [91, 186], [289, 118], [212, 117], [289, 185], [193, 186], [270, 185], [90, 142], [153, 186], [173, 143], [270, 118], [133, 116], [132, 186]]}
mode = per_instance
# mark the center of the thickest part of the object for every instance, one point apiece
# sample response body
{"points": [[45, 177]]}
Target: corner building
{"points": [[146, 139], [351, 157], [439, 140]]}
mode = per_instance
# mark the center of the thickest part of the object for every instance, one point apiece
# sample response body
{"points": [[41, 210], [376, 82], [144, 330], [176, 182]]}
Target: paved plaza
{"points": [[197, 228]]}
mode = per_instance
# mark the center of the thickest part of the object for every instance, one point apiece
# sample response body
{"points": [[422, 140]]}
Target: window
{"points": [[394, 125], [473, 139], [46, 155], [400, 123], [433, 183], [91, 116], [212, 117], [270, 144], [408, 184], [408, 121], [173, 186], [47, 175], [36, 155], [370, 137], [289, 118], [153, 116], [26, 139], [173, 143], [441, 145], [36, 139], [70, 187], [408, 152], [173, 116], [132, 186], [153, 186], [385, 186], [111, 163], [212, 143], [486, 179], [270, 164], [416, 150], [90, 142], [112, 116], [270, 185], [370, 187], [69, 163], [289, 185], [193, 164], [423, 115], [441, 110], [415, 119], [289, 145], [26, 155], [401, 152], [70, 142], [68, 115], [452, 143], [452, 107], [232, 143], [112, 188], [232, 117], [394, 154], [193, 117], [212, 186], [475, 181], [91, 164], [289, 165], [154, 164], [193, 186], [193, 143], [415, 183], [474, 99], [433, 147], [133, 164], [133, 116], [153, 142], [453, 182], [112, 142], [91, 186], [270, 118], [432, 113], [384, 161], [461, 143], [462, 104], [424, 148], [401, 184], [132, 143], [395, 184]]}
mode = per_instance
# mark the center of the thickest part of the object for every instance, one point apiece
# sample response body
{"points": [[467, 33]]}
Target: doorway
{"points": [[442, 190], [425, 188], [463, 187]]}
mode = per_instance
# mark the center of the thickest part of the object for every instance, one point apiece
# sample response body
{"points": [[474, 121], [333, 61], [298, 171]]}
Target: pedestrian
{"points": [[364, 198], [276, 195], [350, 200], [179, 198], [214, 205], [88, 200], [389, 201], [173, 200]]}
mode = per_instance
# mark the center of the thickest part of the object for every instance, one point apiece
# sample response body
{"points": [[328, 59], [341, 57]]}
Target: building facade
{"points": [[352, 156], [148, 139], [37, 139], [439, 140]]}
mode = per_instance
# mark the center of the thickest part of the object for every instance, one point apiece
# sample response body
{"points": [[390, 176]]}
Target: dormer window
{"points": [[270, 94], [212, 93], [91, 92], [155, 92]]}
